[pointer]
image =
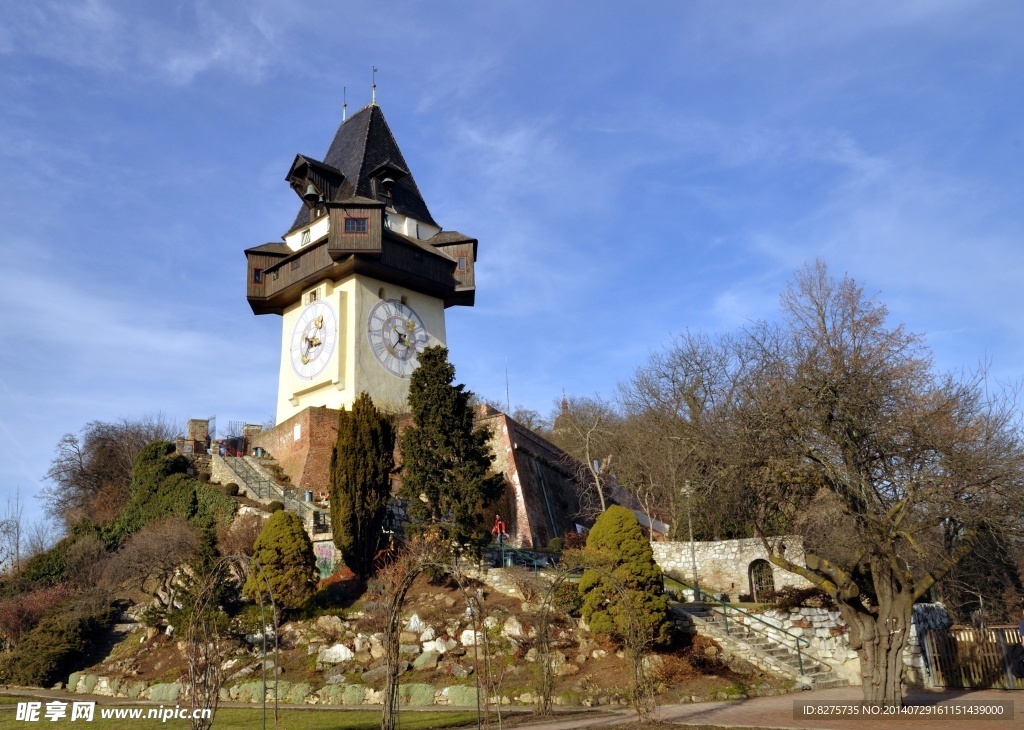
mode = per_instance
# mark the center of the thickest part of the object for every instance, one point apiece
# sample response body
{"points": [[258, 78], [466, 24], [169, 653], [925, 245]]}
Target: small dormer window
{"points": [[387, 221], [463, 264], [312, 296], [305, 238], [355, 225], [257, 276]]}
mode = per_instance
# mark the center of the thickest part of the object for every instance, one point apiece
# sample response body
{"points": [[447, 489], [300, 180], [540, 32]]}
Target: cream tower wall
{"points": [[352, 367]]}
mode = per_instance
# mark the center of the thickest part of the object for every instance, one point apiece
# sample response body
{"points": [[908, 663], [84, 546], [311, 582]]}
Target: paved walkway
{"points": [[778, 712], [765, 712]]}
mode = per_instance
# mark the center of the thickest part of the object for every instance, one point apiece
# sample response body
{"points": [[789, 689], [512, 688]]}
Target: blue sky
{"points": [[630, 169]]}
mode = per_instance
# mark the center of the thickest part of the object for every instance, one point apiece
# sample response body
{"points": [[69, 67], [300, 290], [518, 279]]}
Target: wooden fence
{"points": [[971, 658]]}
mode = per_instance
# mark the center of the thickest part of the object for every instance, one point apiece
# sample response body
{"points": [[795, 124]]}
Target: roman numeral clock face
{"points": [[313, 340], [397, 336]]}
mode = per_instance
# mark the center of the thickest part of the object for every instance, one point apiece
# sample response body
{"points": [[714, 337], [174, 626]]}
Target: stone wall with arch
{"points": [[724, 566]]}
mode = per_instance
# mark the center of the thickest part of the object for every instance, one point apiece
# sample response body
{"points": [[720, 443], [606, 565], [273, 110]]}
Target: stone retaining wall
{"points": [[723, 566], [221, 473], [827, 633]]}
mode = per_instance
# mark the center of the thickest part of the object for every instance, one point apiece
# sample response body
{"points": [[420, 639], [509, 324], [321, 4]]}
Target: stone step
{"points": [[771, 651]]}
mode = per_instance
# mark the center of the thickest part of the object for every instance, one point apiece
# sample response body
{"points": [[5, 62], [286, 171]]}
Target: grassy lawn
{"points": [[231, 718]]}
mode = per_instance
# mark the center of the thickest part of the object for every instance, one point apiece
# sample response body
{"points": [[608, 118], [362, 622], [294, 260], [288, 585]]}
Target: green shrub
{"points": [[617, 544], [286, 554], [214, 505], [275, 506], [789, 597], [154, 616], [58, 645], [231, 489], [556, 545], [567, 600], [251, 620], [44, 569], [161, 487]]}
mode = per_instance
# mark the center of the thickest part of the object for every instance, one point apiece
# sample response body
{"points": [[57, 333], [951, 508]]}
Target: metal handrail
{"points": [[725, 614], [506, 548], [248, 475], [265, 488]]}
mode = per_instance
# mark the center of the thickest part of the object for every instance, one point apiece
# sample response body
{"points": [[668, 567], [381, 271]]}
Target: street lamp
{"points": [[687, 491]]}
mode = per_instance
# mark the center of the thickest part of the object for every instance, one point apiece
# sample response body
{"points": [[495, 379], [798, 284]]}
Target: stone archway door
{"points": [[762, 580]]}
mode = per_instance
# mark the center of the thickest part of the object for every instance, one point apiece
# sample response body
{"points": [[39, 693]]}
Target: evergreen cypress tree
{"points": [[445, 479], [361, 467]]}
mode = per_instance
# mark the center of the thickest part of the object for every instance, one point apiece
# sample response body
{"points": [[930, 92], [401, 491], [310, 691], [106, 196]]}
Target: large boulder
{"points": [[335, 654], [460, 695], [416, 695], [167, 692], [415, 624], [426, 660], [512, 628], [440, 646], [353, 694]]}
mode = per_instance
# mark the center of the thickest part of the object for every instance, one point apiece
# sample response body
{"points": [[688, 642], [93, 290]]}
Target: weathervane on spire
{"points": [[373, 89], [344, 103]]}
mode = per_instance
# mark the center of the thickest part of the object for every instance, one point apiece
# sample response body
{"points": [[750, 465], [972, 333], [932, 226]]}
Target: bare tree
{"points": [[238, 537], [20, 613], [152, 558], [584, 428], [40, 537], [91, 473], [11, 532], [660, 446], [840, 431], [86, 560]]}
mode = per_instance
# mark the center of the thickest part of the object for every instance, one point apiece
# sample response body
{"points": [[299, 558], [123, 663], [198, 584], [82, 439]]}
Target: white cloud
{"points": [[174, 43]]}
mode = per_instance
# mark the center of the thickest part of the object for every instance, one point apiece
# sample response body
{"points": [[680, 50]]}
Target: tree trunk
{"points": [[879, 638]]}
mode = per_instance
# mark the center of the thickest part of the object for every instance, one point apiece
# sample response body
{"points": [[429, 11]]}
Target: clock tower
{"points": [[362, 278]]}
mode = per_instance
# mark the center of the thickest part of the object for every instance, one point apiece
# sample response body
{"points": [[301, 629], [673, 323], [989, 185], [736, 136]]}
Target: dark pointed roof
{"points": [[362, 146]]}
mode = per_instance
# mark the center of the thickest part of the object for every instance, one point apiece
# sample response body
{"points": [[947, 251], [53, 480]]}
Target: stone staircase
{"points": [[259, 484], [773, 654], [102, 648]]}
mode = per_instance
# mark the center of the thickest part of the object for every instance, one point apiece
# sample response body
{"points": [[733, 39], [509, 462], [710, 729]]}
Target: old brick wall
{"points": [[302, 446], [543, 499]]}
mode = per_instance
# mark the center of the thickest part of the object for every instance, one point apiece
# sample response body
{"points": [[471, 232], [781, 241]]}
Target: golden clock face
{"points": [[397, 336], [313, 339]]}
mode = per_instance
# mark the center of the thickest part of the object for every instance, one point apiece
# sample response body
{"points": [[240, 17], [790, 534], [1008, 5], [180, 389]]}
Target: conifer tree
{"points": [[286, 554], [617, 544], [361, 467], [446, 462]]}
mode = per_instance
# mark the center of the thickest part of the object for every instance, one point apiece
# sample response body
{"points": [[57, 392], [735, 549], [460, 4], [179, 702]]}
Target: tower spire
{"points": [[344, 103], [373, 88]]}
